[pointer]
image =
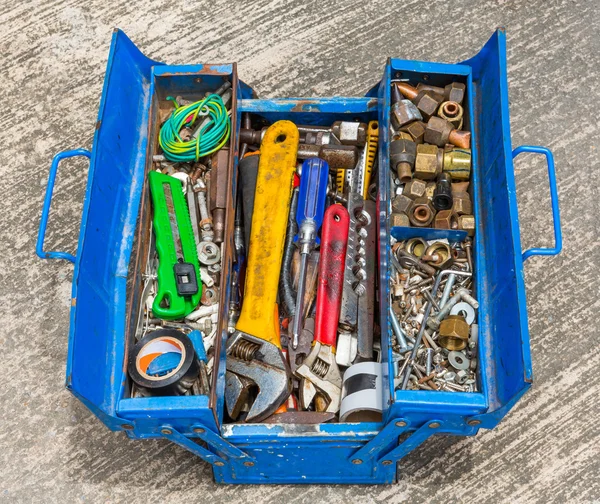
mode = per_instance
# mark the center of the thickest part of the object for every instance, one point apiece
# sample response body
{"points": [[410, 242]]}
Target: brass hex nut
{"points": [[445, 219], [439, 255], [427, 103], [452, 112], [467, 223], [437, 132], [428, 164], [416, 130], [401, 204], [416, 246], [404, 112], [399, 220], [455, 92], [421, 212], [415, 189], [454, 332], [457, 162], [462, 203]]}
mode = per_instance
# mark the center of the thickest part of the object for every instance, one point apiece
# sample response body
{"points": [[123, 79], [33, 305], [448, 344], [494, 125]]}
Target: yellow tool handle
{"points": [[273, 195], [372, 142]]}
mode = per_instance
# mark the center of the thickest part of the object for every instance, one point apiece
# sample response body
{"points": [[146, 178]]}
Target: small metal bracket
{"points": [[387, 435], [210, 438], [424, 432]]}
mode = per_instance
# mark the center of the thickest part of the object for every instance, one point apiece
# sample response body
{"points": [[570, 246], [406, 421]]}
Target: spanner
{"points": [[319, 374], [254, 349]]}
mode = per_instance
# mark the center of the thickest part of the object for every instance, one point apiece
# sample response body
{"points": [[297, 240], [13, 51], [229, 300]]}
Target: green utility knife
{"points": [[179, 282]]}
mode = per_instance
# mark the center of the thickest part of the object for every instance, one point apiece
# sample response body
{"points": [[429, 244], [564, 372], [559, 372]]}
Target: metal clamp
{"points": [[545, 251], [39, 247]]}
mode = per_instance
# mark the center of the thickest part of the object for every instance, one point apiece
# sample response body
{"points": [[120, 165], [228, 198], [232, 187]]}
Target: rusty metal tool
{"points": [[254, 350], [320, 377], [309, 215]]}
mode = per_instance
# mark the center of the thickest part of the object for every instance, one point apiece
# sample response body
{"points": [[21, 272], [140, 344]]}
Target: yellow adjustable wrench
{"points": [[254, 350]]}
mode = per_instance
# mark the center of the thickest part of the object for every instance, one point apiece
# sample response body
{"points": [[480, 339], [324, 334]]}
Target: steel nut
{"points": [[454, 332], [446, 219], [452, 112], [399, 220], [404, 112], [401, 204], [350, 133], [415, 189], [467, 223], [462, 203], [439, 255], [428, 102], [209, 253], [457, 162], [421, 212], [455, 92], [416, 130], [428, 164]]}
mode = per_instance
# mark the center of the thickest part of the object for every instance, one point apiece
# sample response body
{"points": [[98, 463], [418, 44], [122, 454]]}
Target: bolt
{"points": [[127, 427], [434, 425], [356, 461], [401, 423], [249, 464], [199, 430], [474, 422], [166, 432], [386, 462], [219, 463], [448, 289]]}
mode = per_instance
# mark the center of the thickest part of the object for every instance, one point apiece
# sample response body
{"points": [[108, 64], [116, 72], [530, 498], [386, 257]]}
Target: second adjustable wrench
{"points": [[319, 373], [254, 349]]}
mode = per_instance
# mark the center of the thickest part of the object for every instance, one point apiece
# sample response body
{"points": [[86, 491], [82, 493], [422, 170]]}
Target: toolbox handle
{"points": [[39, 247], [545, 251]]}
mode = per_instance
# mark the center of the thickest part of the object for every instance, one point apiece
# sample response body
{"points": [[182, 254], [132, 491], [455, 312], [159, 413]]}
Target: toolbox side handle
{"points": [[545, 251], [39, 247]]}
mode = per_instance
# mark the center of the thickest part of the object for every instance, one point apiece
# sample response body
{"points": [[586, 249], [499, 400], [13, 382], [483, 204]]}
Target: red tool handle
{"points": [[334, 240]]}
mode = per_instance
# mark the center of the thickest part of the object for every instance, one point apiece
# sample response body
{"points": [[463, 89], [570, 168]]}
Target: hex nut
{"points": [[454, 332], [455, 92], [402, 135], [401, 204], [440, 255], [402, 158], [452, 112], [416, 246], [461, 377], [445, 219], [404, 112], [428, 163], [350, 133], [421, 213], [467, 223], [427, 103], [209, 253], [416, 130], [399, 220], [457, 162], [437, 131], [415, 189], [462, 203]]}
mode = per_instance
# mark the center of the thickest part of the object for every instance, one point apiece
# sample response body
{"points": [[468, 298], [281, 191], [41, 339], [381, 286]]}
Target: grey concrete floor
{"points": [[53, 57]]}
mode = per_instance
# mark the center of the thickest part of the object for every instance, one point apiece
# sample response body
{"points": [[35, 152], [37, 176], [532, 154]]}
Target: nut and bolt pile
{"points": [[433, 324], [430, 157]]}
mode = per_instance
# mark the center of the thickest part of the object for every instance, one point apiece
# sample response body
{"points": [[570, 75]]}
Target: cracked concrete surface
{"points": [[53, 57]]}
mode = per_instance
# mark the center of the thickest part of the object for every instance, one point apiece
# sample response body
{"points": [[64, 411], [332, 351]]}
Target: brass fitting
{"points": [[454, 91], [416, 246], [401, 204], [461, 199], [428, 103], [439, 132], [439, 255], [402, 135], [454, 332], [467, 223], [452, 112], [402, 158], [428, 164], [399, 220], [457, 162], [416, 130], [415, 189], [404, 112], [446, 219], [421, 212]]}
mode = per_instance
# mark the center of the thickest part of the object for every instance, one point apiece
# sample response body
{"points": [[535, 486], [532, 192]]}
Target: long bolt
{"points": [[447, 289], [429, 362], [398, 332]]}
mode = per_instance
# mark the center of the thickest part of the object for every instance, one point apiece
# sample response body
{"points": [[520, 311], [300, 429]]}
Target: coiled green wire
{"points": [[212, 136]]}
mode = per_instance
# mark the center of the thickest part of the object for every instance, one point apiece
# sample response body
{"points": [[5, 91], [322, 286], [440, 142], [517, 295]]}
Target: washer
{"points": [[465, 309]]}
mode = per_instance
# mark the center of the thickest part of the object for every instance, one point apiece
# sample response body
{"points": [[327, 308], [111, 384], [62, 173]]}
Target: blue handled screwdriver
{"points": [[311, 207]]}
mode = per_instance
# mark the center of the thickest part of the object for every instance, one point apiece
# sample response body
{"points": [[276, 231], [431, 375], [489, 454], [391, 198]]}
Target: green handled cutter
{"points": [[179, 282]]}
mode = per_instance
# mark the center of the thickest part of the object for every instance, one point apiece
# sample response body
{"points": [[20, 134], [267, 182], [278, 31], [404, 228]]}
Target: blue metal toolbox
{"points": [[108, 275]]}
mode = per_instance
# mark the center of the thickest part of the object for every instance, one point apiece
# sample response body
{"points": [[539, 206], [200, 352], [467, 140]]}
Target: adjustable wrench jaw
{"points": [[320, 375], [261, 363]]}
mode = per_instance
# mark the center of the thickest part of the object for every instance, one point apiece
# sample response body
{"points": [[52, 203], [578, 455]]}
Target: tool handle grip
{"points": [[269, 220], [313, 191], [334, 240]]}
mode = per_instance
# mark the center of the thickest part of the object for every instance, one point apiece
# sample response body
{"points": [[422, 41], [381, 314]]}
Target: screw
{"points": [[356, 461], [199, 430], [473, 423], [166, 431], [386, 462], [401, 423], [434, 425]]}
